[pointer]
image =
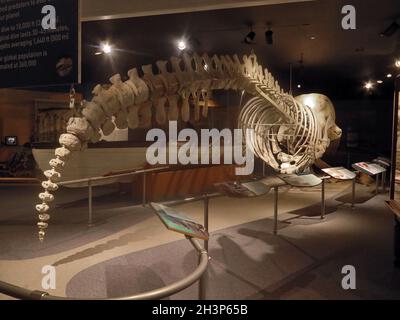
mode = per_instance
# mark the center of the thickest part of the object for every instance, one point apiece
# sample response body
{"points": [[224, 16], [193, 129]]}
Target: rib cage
{"points": [[286, 132]]}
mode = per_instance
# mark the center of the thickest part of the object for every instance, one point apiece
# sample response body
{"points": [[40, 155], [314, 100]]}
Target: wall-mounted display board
{"points": [[177, 222], [39, 43], [340, 173]]}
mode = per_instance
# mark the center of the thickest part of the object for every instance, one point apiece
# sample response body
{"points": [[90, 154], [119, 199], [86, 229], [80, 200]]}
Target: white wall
{"points": [[113, 9]]}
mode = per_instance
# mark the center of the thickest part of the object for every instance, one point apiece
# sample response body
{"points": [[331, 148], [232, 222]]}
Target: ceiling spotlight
{"points": [[379, 81], [389, 75], [368, 85], [181, 45], [106, 48], [249, 39], [397, 63], [269, 37], [299, 86], [313, 38]]}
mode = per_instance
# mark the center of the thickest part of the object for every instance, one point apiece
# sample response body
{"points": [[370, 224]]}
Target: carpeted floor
{"points": [[248, 262], [129, 251]]}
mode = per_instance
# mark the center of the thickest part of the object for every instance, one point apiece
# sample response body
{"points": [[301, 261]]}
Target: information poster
{"points": [[39, 42]]}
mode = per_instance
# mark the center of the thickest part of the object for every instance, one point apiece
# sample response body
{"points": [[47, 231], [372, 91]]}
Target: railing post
{"points": [[90, 200], [276, 192], [206, 204], [144, 189], [323, 199], [353, 193]]}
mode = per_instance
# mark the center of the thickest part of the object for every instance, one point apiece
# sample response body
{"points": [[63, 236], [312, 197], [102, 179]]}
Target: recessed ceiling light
{"points": [[106, 48], [397, 63], [181, 45], [299, 86], [389, 75], [313, 38], [368, 85], [379, 81]]}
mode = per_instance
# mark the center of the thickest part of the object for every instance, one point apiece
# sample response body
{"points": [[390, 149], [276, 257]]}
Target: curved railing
{"points": [[26, 294]]}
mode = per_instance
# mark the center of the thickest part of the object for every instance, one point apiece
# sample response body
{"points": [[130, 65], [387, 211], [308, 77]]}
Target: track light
{"points": [[392, 29], [249, 39], [269, 37]]}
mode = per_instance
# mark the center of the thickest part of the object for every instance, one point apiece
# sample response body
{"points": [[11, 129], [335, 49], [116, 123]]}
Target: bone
{"points": [[145, 115], [133, 117], [121, 119], [81, 128], [52, 175], [107, 99], [173, 110], [94, 114], [108, 127], [46, 196], [161, 115], [172, 83], [196, 98], [70, 142], [57, 163], [206, 97], [96, 137], [295, 127], [185, 108], [125, 93], [50, 186], [156, 83], [139, 87]]}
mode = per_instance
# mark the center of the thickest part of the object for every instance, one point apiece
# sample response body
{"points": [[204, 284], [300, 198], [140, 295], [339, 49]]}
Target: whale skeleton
{"points": [[289, 135]]}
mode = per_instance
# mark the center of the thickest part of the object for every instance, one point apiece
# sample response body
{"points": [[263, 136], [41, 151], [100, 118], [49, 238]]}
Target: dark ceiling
{"points": [[336, 63]]}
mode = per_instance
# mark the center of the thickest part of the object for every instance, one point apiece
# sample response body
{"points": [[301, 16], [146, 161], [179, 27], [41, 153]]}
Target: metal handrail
{"points": [[26, 294], [100, 178]]}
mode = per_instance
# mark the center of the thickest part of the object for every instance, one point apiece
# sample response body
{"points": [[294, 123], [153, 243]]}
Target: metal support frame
{"points": [[323, 206], [144, 190], [384, 182], [353, 193], [206, 206], [25, 294], [90, 203], [92, 180], [276, 194]]}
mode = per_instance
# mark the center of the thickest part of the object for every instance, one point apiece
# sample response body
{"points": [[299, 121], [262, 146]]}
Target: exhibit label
{"points": [[39, 42]]}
